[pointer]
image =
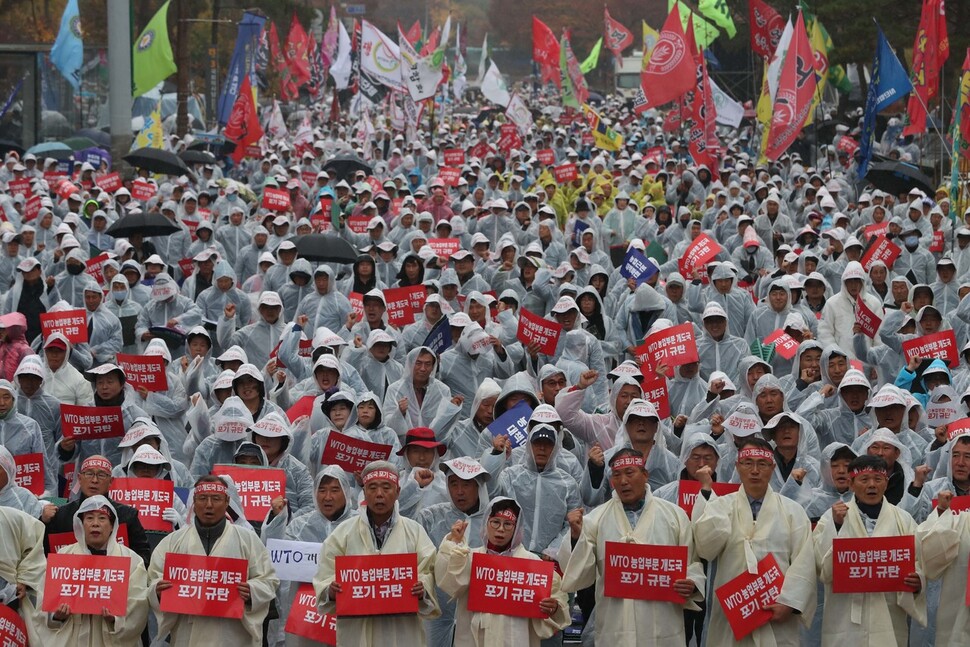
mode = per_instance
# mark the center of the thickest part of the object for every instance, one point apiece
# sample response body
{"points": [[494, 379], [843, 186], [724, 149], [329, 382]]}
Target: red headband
{"points": [[386, 475], [95, 462], [868, 470], [627, 461], [506, 514], [756, 452], [209, 487]]}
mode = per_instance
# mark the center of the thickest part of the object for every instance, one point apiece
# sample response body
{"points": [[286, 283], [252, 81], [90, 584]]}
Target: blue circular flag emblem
{"points": [[146, 40]]}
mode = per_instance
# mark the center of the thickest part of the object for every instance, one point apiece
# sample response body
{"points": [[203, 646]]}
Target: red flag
{"points": [[430, 45], [767, 26], [288, 89], [796, 88], [414, 34], [930, 51], [545, 52], [243, 127], [617, 37], [298, 52], [699, 122], [670, 72]]}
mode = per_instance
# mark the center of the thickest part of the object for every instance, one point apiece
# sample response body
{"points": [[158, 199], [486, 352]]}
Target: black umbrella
{"points": [[6, 146], [325, 248], [344, 165], [158, 161], [197, 157], [898, 177], [99, 137], [146, 223]]}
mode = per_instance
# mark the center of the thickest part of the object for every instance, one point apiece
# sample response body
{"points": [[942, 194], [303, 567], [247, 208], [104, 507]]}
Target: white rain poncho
{"points": [[167, 408], [737, 302], [21, 435], [299, 483], [426, 411], [11, 494], [329, 309], [228, 430], [139, 433], [593, 428]]}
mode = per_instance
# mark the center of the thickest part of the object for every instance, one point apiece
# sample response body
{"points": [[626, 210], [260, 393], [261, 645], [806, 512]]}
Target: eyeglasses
{"points": [[209, 498], [761, 465], [96, 476], [498, 524]]}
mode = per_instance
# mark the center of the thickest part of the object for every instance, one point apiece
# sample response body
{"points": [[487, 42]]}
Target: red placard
{"points": [[937, 244], [30, 472], [396, 204], [449, 175], [954, 429], [357, 304], [376, 585], [565, 173], [151, 497], [688, 491], [187, 265], [644, 571], [95, 267], [785, 344], [702, 250], [352, 454], [655, 155], [374, 183], [480, 150], [192, 224], [872, 564], [203, 585], [91, 423], [941, 345], [73, 324], [588, 139], [538, 330], [358, 224], [142, 190], [58, 540], [883, 250], [303, 407], [309, 178], [744, 598], [276, 199], [875, 230], [866, 318], [253, 150], [19, 187], [13, 631], [404, 303], [958, 504], [257, 487], [306, 621], [674, 346], [66, 189], [32, 208], [53, 178], [655, 392], [509, 586], [454, 156], [444, 247], [87, 584], [546, 156], [144, 370], [110, 182]]}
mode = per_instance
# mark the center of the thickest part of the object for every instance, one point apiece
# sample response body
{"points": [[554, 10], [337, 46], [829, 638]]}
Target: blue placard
{"points": [[578, 228], [439, 339], [636, 266], [513, 423]]}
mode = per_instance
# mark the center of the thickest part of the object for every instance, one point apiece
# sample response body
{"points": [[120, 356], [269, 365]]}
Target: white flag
{"points": [[341, 68], [774, 67], [458, 82], [481, 61], [419, 73], [380, 56], [494, 88], [729, 112], [518, 113], [304, 134], [276, 125]]}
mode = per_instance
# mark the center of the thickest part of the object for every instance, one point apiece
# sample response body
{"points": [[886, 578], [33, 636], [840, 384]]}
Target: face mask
{"points": [[119, 295], [911, 241], [752, 250], [231, 197], [74, 269]]}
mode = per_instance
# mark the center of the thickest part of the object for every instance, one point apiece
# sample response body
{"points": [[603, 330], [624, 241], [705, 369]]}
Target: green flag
{"points": [[592, 59], [151, 57], [656, 251], [718, 12]]}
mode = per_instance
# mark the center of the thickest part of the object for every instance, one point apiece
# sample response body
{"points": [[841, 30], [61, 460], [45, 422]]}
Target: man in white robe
{"points": [[379, 529]]}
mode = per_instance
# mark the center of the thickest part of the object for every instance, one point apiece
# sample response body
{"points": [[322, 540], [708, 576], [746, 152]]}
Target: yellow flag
{"points": [[151, 135], [821, 52], [764, 113], [650, 38]]}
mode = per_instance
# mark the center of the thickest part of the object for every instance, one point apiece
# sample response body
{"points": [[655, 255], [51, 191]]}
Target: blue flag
{"points": [[67, 54], [888, 85], [243, 62], [514, 424]]}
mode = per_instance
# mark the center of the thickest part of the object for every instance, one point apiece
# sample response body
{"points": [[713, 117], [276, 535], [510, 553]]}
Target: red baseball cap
{"points": [[422, 437]]}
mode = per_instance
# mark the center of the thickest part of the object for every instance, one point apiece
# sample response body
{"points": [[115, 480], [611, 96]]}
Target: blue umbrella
{"points": [[49, 147]]}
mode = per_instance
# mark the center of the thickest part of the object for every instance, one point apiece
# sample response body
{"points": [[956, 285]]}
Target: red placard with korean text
{"points": [[58, 540], [510, 586], [91, 423], [546, 156], [866, 318], [655, 392], [73, 324], [785, 344], [444, 247], [32, 207], [872, 564], [142, 190], [542, 331], [941, 345], [13, 630], [144, 370], [87, 584], [357, 304], [352, 454], [20, 187], [309, 178], [358, 224], [95, 267], [876, 229], [688, 491], [644, 571], [203, 585], [744, 598], [937, 243], [449, 175], [701, 251], [454, 156], [257, 487], [306, 621], [404, 303], [276, 199], [30, 472], [674, 346], [883, 250], [66, 189], [565, 173], [110, 182], [151, 497], [376, 585]]}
